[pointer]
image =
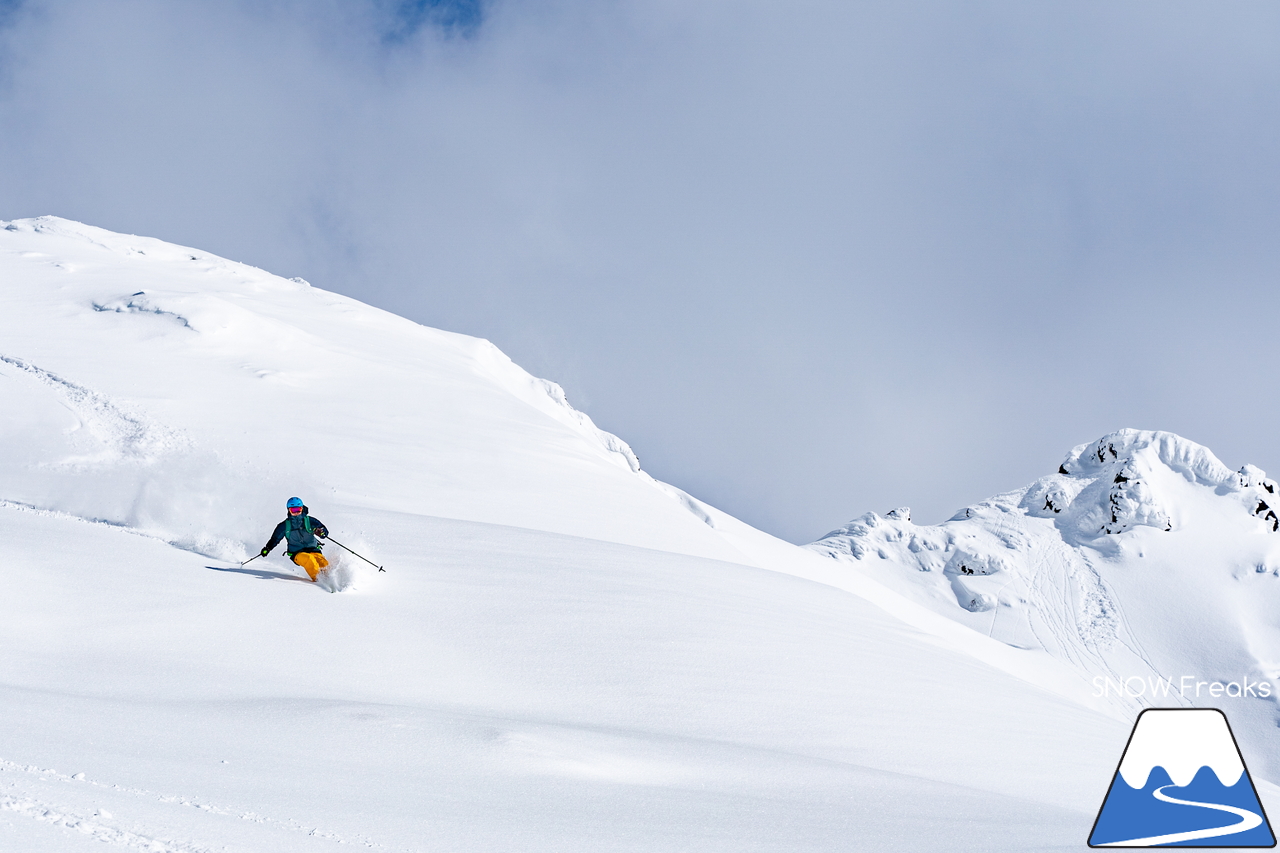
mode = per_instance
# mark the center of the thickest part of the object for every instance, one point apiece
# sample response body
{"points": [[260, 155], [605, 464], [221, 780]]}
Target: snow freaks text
{"points": [[1188, 687]]}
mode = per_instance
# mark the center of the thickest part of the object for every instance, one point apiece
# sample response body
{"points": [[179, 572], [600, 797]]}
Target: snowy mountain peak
{"points": [[1126, 480], [1144, 561], [1188, 458], [1131, 479]]}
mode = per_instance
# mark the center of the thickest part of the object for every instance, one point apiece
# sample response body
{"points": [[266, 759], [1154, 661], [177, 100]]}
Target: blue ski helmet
{"points": [[294, 502]]}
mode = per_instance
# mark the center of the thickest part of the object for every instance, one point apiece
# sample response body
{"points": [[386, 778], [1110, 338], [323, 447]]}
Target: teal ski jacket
{"points": [[300, 531]]}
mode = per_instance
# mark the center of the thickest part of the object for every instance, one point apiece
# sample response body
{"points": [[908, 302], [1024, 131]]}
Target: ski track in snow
{"points": [[19, 506], [94, 827], [341, 576], [1009, 579], [1055, 594], [1101, 620], [126, 434]]}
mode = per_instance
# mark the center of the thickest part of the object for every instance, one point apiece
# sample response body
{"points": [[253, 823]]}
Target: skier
{"points": [[300, 531]]}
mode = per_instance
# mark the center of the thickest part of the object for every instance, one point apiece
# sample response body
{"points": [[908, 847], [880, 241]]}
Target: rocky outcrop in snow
{"points": [[1116, 483]]}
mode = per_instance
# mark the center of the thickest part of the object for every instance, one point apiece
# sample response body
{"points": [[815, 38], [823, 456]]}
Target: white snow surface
{"points": [[563, 654]]}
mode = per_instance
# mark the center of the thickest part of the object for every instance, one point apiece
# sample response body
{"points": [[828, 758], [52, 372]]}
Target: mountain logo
{"points": [[1182, 783]]}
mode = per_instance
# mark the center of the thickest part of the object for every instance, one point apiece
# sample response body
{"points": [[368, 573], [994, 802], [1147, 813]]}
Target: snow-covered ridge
{"points": [[1128, 479], [1186, 457], [1116, 483], [544, 395], [549, 398], [139, 332]]}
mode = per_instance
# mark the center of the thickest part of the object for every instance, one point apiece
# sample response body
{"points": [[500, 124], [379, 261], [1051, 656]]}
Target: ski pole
{"points": [[345, 548], [250, 560]]}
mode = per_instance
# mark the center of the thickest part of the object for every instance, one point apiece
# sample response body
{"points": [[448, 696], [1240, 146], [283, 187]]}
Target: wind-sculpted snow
{"points": [[1144, 561], [548, 397], [139, 303]]}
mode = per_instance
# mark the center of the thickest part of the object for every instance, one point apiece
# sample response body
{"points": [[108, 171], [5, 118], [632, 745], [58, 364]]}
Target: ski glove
{"points": [[321, 532], [265, 551]]}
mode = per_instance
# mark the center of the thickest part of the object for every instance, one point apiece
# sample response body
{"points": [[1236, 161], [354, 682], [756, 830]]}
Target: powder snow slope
{"points": [[1144, 560], [564, 654], [189, 391]]}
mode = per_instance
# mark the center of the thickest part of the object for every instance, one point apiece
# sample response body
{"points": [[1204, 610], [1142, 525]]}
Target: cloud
{"points": [[809, 259]]}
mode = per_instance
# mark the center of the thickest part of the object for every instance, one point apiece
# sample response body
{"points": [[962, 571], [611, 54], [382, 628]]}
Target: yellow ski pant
{"points": [[313, 563]]}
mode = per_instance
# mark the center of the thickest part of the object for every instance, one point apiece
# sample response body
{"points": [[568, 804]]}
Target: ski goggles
{"points": [[294, 510]]}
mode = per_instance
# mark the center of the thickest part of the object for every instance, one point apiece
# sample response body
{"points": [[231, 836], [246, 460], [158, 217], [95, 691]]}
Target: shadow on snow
{"points": [[258, 573]]}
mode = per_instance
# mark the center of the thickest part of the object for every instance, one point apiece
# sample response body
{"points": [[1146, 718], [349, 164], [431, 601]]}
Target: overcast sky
{"points": [[808, 258]]}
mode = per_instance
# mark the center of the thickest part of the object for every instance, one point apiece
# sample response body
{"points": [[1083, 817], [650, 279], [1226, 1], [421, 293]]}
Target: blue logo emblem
{"points": [[1182, 783]]}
